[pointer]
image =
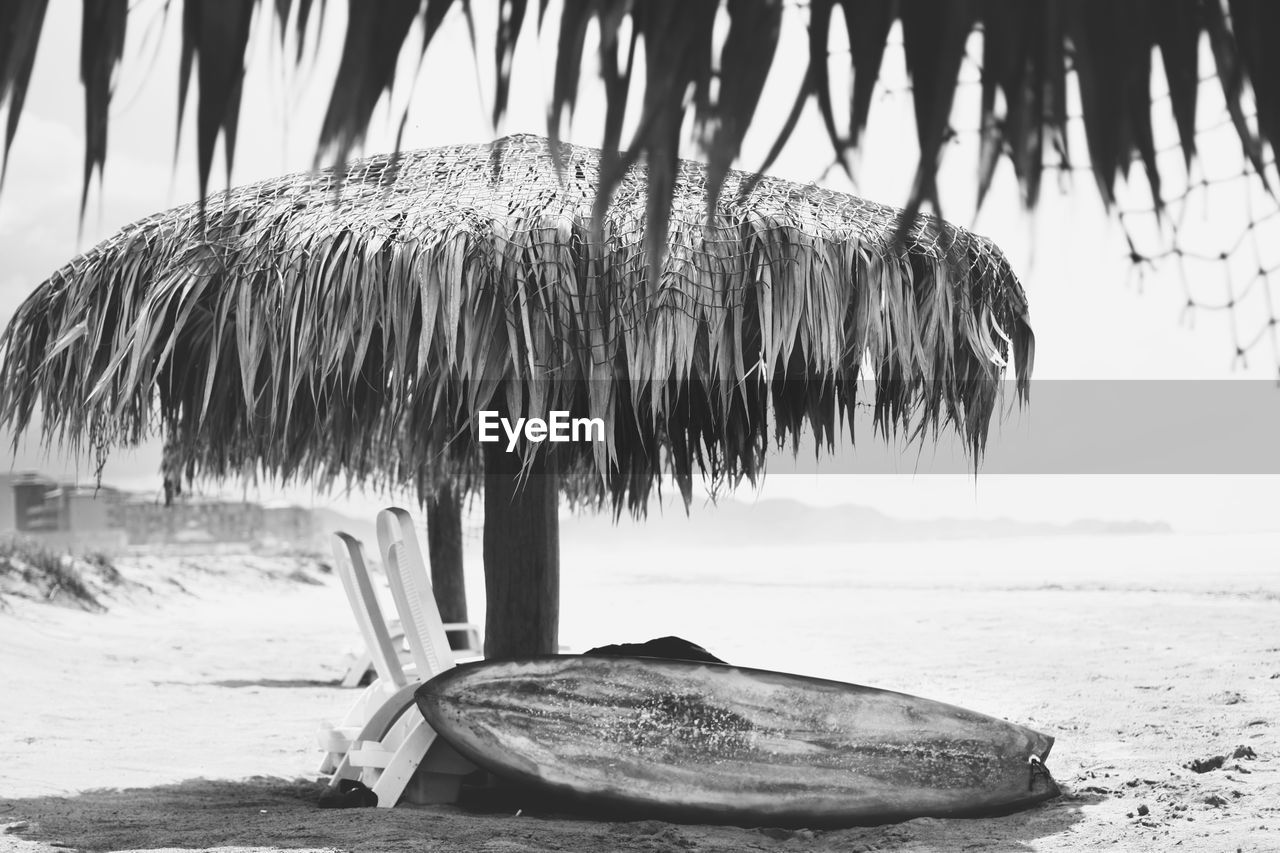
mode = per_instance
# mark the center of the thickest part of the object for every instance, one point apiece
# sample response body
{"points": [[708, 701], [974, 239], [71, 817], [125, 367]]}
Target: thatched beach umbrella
{"points": [[355, 325]]}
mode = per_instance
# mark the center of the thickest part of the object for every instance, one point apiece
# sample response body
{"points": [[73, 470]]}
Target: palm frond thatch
{"points": [[324, 326], [1030, 51], [20, 25]]}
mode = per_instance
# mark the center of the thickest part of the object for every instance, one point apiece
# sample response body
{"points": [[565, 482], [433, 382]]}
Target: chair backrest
{"points": [[353, 570], [411, 590]]}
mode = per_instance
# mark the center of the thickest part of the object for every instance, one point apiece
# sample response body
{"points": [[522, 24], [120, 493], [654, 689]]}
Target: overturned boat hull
{"points": [[699, 741]]}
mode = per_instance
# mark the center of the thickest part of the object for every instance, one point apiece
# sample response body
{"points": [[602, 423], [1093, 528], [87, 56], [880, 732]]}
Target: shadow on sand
{"points": [[269, 812], [284, 683], [277, 682]]}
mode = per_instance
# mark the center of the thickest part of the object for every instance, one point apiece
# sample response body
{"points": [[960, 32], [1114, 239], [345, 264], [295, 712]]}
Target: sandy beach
{"points": [[183, 716]]}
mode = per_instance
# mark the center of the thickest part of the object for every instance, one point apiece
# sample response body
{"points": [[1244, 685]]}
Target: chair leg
{"points": [[424, 770], [389, 710], [377, 695], [331, 757], [396, 775]]}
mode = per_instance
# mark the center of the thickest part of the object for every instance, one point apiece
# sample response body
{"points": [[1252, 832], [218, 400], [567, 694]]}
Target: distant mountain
{"points": [[733, 522]]}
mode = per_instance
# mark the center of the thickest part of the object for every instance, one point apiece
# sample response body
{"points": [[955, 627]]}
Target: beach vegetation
{"points": [[33, 570]]}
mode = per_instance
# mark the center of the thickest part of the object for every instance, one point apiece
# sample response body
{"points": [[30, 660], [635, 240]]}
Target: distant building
{"points": [[149, 522], [81, 508], [10, 518], [66, 515], [60, 515], [30, 503], [22, 504]]}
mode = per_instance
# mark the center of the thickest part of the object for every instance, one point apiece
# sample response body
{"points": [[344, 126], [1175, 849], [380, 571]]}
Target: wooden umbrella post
{"points": [[444, 544], [521, 555]]}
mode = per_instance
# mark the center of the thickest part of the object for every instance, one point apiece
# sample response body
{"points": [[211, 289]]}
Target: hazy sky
{"points": [[1092, 320]]}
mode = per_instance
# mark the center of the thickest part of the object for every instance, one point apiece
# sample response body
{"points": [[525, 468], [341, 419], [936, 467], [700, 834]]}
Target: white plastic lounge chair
{"points": [[388, 654], [396, 746], [464, 642], [391, 676], [463, 637], [410, 581]]}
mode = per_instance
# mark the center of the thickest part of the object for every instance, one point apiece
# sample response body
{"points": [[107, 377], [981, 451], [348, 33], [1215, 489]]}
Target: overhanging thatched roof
{"points": [[317, 325], [1030, 50]]}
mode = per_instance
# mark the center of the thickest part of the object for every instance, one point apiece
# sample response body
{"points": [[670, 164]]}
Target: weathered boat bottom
{"points": [[636, 737]]}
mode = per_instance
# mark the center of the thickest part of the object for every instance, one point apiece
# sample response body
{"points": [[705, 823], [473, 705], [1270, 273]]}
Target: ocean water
{"points": [[770, 605], [984, 623]]}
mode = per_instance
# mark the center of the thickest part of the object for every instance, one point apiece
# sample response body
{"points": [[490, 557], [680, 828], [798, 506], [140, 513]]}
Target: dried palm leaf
{"points": [[1030, 49], [324, 327]]}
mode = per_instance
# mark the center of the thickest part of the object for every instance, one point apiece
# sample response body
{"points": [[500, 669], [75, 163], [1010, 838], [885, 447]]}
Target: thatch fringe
{"points": [[1030, 49], [310, 330]]}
